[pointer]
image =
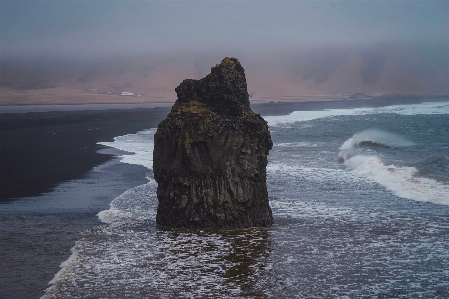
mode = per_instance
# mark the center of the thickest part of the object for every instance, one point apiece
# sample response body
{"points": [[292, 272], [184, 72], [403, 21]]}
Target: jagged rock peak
{"points": [[223, 91], [210, 155]]}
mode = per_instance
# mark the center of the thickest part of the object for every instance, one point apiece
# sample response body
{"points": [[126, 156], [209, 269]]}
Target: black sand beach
{"points": [[39, 150], [55, 178]]}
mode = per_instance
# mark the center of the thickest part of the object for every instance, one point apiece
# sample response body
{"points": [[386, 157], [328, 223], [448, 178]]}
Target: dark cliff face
{"points": [[210, 155]]}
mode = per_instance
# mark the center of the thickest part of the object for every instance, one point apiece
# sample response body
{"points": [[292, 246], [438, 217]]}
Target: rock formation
{"points": [[210, 155]]}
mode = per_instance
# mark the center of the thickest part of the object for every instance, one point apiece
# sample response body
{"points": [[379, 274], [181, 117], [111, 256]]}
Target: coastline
{"points": [[55, 179], [50, 96], [40, 150], [38, 231], [43, 145]]}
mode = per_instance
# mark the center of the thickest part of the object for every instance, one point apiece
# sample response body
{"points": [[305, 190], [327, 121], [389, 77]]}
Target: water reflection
{"points": [[230, 261]]}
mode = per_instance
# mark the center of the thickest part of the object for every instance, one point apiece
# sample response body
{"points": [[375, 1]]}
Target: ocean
{"points": [[360, 201]]}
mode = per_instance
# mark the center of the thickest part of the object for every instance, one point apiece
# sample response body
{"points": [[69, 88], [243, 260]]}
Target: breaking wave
{"points": [[427, 108], [329, 217], [404, 182], [140, 147], [375, 137]]}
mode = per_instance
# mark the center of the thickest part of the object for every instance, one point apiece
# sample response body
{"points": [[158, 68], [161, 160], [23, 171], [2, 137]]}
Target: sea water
{"points": [[360, 200]]}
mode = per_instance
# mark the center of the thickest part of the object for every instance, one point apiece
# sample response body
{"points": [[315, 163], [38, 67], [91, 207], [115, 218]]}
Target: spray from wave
{"points": [[377, 138], [371, 138], [403, 182]]}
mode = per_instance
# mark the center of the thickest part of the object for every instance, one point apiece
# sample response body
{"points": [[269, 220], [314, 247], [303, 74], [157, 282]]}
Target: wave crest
{"points": [[374, 137], [402, 181]]}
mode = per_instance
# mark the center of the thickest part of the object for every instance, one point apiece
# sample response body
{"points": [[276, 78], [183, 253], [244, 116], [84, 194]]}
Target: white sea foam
{"points": [[297, 144], [376, 136], [417, 109], [300, 116], [412, 109], [316, 174], [136, 204], [140, 145], [73, 258], [402, 181], [160, 264], [139, 203], [317, 243]]}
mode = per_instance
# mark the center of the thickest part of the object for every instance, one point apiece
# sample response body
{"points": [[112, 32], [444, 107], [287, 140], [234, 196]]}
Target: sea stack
{"points": [[210, 155]]}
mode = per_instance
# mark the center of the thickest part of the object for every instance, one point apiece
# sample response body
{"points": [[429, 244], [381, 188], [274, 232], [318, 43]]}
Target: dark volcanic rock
{"points": [[210, 155]]}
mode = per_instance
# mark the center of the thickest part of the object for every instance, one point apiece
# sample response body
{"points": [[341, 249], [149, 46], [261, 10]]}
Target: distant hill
{"points": [[313, 73]]}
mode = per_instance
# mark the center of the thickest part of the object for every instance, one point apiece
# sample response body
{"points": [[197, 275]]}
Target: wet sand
{"points": [[40, 150], [55, 178], [37, 233]]}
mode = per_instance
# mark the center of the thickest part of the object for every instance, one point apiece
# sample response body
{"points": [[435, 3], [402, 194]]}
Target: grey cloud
{"points": [[308, 40]]}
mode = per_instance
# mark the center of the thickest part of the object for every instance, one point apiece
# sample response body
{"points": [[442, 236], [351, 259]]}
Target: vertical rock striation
{"points": [[210, 155]]}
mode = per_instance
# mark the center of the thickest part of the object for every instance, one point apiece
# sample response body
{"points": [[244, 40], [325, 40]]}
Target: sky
{"points": [[90, 29]]}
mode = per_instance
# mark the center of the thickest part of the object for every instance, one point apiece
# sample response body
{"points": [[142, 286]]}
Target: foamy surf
{"points": [[64, 275], [134, 205], [297, 144], [139, 203], [412, 109], [376, 137], [140, 145], [403, 182], [302, 116], [327, 220]]}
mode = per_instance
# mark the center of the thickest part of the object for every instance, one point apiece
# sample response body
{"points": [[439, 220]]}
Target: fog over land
{"points": [[289, 49]]}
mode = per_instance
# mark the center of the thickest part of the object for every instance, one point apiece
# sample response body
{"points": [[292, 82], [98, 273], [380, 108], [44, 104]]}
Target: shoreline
{"points": [[68, 178], [29, 98], [43, 148], [79, 107], [38, 233], [40, 230]]}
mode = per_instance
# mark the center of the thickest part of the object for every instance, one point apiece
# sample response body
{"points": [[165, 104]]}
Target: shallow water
{"points": [[362, 227], [37, 233]]}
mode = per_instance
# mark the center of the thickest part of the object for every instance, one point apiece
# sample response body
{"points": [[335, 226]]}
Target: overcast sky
{"points": [[97, 28]]}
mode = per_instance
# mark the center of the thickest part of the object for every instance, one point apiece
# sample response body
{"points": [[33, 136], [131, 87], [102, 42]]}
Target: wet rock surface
{"points": [[210, 155]]}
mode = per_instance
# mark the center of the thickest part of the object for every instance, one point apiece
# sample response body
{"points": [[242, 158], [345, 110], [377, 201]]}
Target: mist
{"points": [[287, 47]]}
